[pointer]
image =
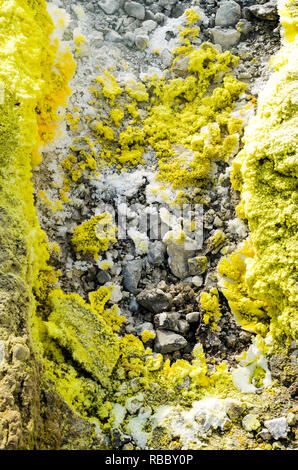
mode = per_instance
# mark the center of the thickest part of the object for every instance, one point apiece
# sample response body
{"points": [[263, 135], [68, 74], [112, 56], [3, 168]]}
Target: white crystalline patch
{"points": [[141, 241], [237, 226], [60, 18], [206, 414], [135, 427], [241, 379], [126, 184], [242, 376], [2, 352], [118, 412], [158, 39]]}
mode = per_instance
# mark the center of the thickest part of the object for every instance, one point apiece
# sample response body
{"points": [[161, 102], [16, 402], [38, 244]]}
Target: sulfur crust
{"points": [[262, 287]]}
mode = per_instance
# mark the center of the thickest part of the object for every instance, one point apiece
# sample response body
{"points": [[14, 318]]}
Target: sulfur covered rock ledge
{"points": [[67, 379]]}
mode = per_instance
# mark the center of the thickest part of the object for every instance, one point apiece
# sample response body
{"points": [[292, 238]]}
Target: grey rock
{"points": [[197, 265], [113, 36], [132, 275], [134, 9], [156, 253], [129, 39], [145, 326], [149, 25], [159, 18], [278, 427], [166, 57], [21, 352], [109, 6], [180, 67], [133, 305], [234, 410], [142, 41], [119, 438], [167, 321], [103, 277], [264, 434], [154, 300], [193, 317], [231, 340], [183, 327], [228, 14], [168, 341], [244, 26], [225, 37], [268, 11]]}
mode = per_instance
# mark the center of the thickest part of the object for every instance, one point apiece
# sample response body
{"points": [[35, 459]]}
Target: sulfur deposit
{"points": [[148, 237]]}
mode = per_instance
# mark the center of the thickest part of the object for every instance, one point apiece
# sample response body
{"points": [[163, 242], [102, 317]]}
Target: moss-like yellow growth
{"points": [[266, 174], [147, 336], [111, 315], [210, 305], [94, 235], [77, 327]]}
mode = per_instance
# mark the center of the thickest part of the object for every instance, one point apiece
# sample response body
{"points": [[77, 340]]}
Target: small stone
{"points": [[244, 26], [225, 37], [267, 11], [134, 9], [149, 25], [142, 41], [231, 340], [193, 317], [132, 275], [264, 434], [197, 281], [167, 321], [183, 327], [133, 404], [154, 300], [129, 39], [234, 410], [159, 18], [21, 352], [156, 253], [180, 67], [97, 42], [250, 422], [109, 6], [167, 341], [134, 306], [103, 277], [278, 427], [291, 419], [228, 14], [166, 57], [113, 36], [197, 265]]}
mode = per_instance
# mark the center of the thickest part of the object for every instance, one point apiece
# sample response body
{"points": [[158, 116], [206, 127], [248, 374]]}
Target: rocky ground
{"points": [[150, 291]]}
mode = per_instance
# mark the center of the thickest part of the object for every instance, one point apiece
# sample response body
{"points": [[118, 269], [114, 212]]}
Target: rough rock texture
{"points": [[58, 356]]}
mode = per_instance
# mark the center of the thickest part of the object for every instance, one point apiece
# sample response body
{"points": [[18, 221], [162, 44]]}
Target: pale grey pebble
{"points": [[109, 6], [134, 9], [168, 341], [228, 14]]}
